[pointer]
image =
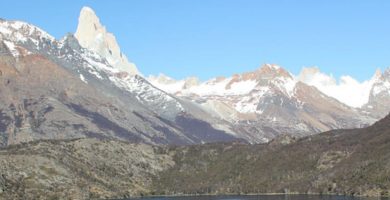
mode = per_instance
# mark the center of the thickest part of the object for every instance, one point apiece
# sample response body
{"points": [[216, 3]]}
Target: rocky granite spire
{"points": [[92, 35]]}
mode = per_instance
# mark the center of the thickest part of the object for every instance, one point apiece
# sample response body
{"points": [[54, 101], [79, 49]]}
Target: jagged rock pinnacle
{"points": [[92, 35]]}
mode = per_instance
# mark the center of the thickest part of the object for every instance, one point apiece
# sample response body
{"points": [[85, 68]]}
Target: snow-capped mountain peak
{"points": [[92, 35]]}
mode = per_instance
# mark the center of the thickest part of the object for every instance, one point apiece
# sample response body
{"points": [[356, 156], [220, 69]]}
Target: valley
{"points": [[79, 120]]}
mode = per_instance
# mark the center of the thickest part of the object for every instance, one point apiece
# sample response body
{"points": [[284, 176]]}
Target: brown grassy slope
{"points": [[79, 169], [344, 161]]}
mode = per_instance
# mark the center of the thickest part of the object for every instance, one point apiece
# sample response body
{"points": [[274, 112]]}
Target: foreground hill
{"points": [[79, 169], [353, 162]]}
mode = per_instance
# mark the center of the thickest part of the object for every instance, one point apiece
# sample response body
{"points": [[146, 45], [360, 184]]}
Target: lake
{"points": [[263, 197]]}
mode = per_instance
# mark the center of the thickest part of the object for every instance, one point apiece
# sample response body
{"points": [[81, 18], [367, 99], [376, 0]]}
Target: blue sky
{"points": [[208, 38]]}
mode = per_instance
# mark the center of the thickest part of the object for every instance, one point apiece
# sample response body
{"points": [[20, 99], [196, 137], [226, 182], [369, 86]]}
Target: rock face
{"points": [[92, 35]]}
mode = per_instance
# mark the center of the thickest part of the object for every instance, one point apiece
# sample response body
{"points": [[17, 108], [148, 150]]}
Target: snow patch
{"points": [[242, 87], [220, 88], [83, 79], [5, 30], [168, 86], [144, 92], [11, 46], [285, 84], [248, 104], [271, 66]]}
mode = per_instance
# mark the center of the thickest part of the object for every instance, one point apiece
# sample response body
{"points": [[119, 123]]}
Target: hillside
{"points": [[79, 169], [353, 162]]}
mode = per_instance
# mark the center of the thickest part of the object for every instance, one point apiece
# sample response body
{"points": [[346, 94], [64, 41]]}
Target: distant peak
{"points": [[385, 74], [378, 74], [274, 70], [270, 67]]}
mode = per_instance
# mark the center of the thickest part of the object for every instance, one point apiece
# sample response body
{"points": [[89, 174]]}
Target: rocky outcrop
{"points": [[379, 97]]}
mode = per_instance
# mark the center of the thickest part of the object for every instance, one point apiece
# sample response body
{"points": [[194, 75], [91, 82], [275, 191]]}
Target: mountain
{"points": [[57, 89], [344, 162], [267, 102]]}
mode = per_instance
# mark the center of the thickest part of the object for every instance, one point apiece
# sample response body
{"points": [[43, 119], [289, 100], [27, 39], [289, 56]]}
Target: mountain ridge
{"points": [[269, 93], [308, 75]]}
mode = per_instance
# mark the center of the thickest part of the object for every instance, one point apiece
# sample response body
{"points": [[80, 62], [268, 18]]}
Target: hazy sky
{"points": [[208, 38]]}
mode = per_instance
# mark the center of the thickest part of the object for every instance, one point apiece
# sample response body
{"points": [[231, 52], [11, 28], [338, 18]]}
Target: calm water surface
{"points": [[267, 197]]}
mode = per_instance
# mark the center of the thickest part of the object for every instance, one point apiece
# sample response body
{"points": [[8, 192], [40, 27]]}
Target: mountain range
{"points": [[84, 86], [339, 162]]}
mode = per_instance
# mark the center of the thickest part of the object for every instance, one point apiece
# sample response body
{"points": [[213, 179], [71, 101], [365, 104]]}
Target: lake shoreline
{"points": [[253, 194]]}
